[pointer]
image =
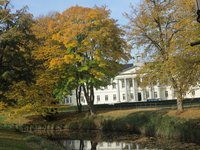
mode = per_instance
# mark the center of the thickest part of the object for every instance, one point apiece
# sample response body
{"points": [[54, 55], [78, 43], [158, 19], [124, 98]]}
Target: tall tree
{"points": [[33, 96], [88, 47], [16, 42], [165, 28]]}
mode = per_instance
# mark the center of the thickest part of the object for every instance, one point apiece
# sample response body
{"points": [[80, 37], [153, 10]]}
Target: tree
{"points": [[16, 43], [89, 47], [165, 29]]}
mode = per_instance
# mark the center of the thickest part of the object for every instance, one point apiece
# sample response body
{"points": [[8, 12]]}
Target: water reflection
{"points": [[92, 145]]}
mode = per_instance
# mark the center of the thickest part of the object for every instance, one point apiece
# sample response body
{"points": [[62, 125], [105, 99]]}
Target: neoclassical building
{"points": [[124, 88]]}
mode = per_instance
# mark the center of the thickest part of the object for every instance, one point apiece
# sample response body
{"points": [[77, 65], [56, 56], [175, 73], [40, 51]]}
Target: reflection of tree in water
{"points": [[93, 145], [81, 145]]}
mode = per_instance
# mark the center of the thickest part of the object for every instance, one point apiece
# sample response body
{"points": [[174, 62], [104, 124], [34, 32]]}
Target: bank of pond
{"points": [[12, 140], [151, 125]]}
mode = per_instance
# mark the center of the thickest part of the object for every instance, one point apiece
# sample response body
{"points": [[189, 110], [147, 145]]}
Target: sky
{"points": [[43, 7]]}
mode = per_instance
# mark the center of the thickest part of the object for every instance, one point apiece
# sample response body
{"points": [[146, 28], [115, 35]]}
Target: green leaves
{"points": [[16, 61]]}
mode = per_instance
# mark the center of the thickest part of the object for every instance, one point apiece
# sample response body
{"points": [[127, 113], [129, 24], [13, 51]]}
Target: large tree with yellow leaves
{"points": [[86, 46], [165, 29]]}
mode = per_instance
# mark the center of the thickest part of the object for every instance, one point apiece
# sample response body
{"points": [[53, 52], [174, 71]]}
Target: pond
{"points": [[65, 140], [146, 144]]}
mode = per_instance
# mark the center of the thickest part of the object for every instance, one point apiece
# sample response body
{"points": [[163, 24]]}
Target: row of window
{"points": [[155, 94], [114, 85], [114, 97], [166, 94]]}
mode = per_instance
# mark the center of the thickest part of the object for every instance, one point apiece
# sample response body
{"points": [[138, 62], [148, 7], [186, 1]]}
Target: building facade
{"points": [[125, 88]]}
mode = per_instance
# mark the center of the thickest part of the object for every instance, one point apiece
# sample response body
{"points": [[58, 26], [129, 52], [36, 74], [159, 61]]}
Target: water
{"points": [[65, 140], [90, 145], [116, 141], [126, 145]]}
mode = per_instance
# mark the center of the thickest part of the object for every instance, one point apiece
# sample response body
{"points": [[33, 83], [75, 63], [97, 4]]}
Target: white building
{"points": [[124, 88]]}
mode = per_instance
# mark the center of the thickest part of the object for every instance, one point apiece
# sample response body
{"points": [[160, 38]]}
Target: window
{"points": [[123, 83], [70, 99], [66, 100], [98, 98], [175, 94], [166, 94], [82, 99], [106, 87], [106, 97], [130, 83], [147, 94], [124, 96], [114, 85], [138, 81], [155, 95], [101, 144], [109, 144], [155, 83], [193, 93], [132, 97], [114, 97]]}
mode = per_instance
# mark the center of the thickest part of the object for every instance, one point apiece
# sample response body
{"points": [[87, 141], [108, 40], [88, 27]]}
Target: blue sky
{"points": [[43, 7]]}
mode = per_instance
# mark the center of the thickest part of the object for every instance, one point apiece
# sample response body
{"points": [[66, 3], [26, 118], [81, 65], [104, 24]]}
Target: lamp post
{"points": [[198, 10]]}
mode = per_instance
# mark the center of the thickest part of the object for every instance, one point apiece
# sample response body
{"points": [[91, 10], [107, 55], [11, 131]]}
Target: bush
{"points": [[107, 125], [73, 125], [85, 124], [88, 124]]}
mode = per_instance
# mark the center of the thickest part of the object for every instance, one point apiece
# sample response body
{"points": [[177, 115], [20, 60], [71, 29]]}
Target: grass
{"points": [[189, 113], [147, 121], [10, 140], [155, 123], [122, 113]]}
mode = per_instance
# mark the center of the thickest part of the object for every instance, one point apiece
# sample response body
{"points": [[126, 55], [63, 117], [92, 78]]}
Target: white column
{"points": [[134, 93], [159, 93], [135, 89], [118, 90], [142, 95], [150, 92], [126, 89]]}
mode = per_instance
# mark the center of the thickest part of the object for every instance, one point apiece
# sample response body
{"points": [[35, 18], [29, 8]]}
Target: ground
{"points": [[189, 113]]}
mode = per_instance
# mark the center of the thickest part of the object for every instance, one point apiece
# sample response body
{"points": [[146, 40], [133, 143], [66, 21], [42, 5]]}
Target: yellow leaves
{"points": [[79, 58], [55, 63], [97, 74], [72, 43], [2, 106], [102, 64], [68, 59]]}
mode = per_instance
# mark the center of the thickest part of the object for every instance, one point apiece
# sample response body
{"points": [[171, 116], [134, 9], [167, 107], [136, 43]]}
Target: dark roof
{"points": [[126, 66]]}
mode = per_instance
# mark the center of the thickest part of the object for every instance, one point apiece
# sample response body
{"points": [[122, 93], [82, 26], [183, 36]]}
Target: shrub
{"points": [[87, 124], [73, 125]]}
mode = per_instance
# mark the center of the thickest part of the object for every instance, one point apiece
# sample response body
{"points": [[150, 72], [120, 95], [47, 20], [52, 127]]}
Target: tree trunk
{"points": [[179, 103], [91, 108], [89, 96], [78, 99], [81, 145]]}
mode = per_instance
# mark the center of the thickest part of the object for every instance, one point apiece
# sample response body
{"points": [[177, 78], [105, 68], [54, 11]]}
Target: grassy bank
{"points": [[149, 122], [10, 140], [154, 123]]}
